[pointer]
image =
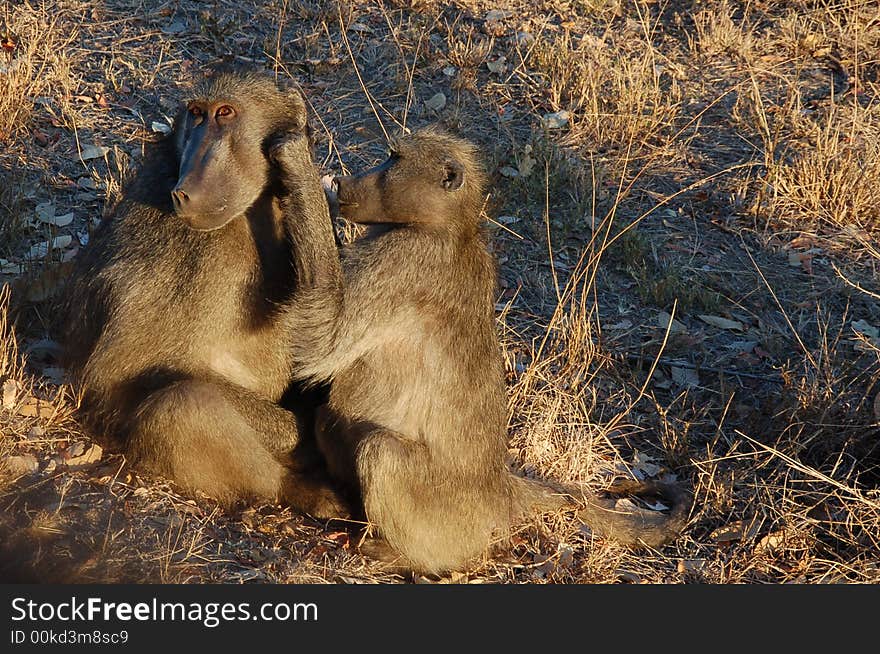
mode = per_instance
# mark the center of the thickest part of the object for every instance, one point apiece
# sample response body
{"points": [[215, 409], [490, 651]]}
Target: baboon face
{"points": [[428, 177], [222, 136]]}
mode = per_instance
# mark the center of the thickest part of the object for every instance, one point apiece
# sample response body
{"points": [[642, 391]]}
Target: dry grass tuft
{"points": [[36, 63], [832, 183]]}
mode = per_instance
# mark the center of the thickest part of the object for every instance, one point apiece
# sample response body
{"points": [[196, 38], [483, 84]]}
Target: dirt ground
{"points": [[684, 207]]}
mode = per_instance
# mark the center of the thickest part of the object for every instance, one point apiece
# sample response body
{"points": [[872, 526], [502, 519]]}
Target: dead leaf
{"points": [[802, 242], [176, 27], [498, 66], [40, 250], [341, 538], [493, 22], [803, 260], [436, 102], [524, 39], [865, 331], [497, 14], [160, 128], [556, 120], [685, 377], [22, 465], [10, 393], [773, 541], [41, 137], [643, 465], [691, 565], [626, 505], [91, 455], [93, 152], [663, 320], [526, 162], [46, 214], [10, 268], [35, 408], [8, 43], [507, 171], [721, 323], [623, 324], [628, 576], [734, 531], [660, 380]]}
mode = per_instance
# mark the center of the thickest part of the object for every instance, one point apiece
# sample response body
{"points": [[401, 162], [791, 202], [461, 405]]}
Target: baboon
{"points": [[176, 322], [404, 327]]}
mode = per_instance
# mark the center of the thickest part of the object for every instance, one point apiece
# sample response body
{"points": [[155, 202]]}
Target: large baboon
{"points": [[177, 324], [404, 328]]}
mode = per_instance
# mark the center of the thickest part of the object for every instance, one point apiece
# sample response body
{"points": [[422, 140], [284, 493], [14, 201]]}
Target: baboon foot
{"points": [[314, 496]]}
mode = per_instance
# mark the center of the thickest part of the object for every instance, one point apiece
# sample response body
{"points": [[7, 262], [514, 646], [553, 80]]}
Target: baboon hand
{"points": [[331, 187], [291, 152]]}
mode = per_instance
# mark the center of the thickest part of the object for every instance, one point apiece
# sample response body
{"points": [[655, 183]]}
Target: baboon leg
{"points": [[430, 519], [305, 488], [190, 432], [210, 437], [379, 549], [434, 516]]}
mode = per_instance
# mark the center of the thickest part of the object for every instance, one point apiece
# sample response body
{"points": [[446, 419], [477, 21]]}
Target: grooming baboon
{"points": [[177, 324], [404, 328]]}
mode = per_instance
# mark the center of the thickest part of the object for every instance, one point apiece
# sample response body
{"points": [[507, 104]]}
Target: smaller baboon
{"points": [[176, 324], [404, 327]]}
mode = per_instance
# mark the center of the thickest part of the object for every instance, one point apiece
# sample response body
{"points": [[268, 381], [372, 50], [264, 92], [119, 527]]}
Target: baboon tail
{"points": [[535, 496], [641, 527], [637, 528]]}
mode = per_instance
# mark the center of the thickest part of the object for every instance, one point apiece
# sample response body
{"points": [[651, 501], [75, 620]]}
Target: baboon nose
{"points": [[179, 198]]}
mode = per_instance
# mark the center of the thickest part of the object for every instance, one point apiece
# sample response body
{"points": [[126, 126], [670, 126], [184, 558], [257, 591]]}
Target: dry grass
{"points": [[719, 162], [832, 183]]}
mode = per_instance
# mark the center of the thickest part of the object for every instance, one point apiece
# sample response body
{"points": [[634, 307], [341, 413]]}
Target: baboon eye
{"points": [[196, 112], [225, 111]]}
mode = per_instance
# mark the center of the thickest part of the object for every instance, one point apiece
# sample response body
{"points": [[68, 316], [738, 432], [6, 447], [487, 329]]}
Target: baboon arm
{"points": [[307, 219], [313, 312], [349, 446]]}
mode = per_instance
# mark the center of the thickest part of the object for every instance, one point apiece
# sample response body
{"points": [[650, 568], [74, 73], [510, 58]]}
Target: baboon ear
{"points": [[453, 175], [298, 107]]}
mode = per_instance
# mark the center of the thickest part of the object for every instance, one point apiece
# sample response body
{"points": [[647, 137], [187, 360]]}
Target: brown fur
{"points": [[404, 329], [176, 325]]}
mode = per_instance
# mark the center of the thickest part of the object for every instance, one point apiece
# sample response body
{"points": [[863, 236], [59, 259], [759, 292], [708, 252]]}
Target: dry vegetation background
{"points": [[684, 207]]}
